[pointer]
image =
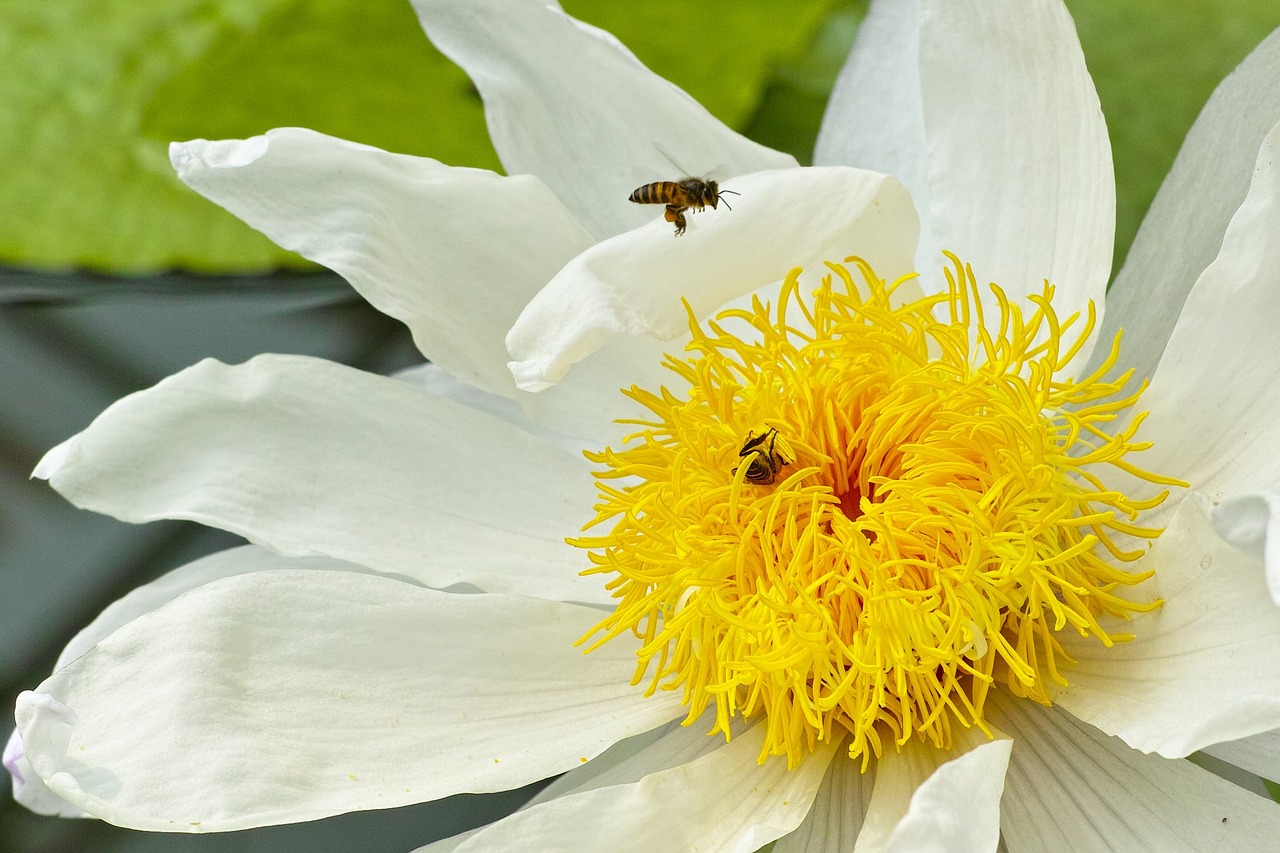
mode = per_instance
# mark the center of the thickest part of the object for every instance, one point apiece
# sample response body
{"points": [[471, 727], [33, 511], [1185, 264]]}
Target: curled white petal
{"points": [[29, 790], [453, 253], [633, 284], [1251, 524], [926, 799]]}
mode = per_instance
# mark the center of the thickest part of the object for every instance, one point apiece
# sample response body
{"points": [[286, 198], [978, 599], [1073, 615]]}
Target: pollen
{"points": [[862, 512]]}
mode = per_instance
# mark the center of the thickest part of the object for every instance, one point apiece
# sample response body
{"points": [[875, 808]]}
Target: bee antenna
{"points": [[729, 192]]}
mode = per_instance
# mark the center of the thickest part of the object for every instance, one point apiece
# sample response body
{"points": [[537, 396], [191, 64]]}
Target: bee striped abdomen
{"points": [[765, 456], [658, 192]]}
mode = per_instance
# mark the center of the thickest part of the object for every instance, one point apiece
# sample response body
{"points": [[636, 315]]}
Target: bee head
{"points": [[719, 194], [710, 193]]}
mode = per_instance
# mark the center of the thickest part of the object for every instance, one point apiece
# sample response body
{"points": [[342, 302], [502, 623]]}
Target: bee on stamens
{"points": [[768, 454], [682, 195]]}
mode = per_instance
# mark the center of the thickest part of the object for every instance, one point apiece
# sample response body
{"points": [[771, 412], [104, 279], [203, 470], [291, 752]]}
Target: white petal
{"points": [[928, 799], [567, 102], [447, 845], [308, 457], [1251, 524], [29, 789], [986, 112], [1072, 788], [223, 564], [636, 757], [434, 380], [1020, 177], [836, 817], [438, 382], [958, 806], [286, 696], [588, 400], [625, 762], [453, 253], [1214, 415], [1203, 669], [1183, 229], [874, 118], [1259, 754], [579, 412], [721, 801], [633, 284]]}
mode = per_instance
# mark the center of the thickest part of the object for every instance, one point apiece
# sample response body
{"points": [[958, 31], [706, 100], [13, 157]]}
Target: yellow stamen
{"points": [[926, 511]]}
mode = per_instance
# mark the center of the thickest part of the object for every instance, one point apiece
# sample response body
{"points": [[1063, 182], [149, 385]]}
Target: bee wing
{"points": [[719, 173], [681, 170], [676, 168]]}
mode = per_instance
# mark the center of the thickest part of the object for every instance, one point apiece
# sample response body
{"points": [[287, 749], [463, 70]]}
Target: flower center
{"points": [[863, 514]]}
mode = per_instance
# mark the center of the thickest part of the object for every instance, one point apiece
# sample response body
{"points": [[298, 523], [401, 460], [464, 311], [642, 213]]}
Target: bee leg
{"points": [[676, 215]]}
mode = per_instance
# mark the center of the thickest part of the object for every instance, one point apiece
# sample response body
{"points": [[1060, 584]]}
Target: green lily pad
{"points": [[795, 96], [722, 53], [93, 92]]}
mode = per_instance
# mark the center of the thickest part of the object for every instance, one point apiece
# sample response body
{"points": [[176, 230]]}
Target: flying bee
{"points": [[768, 453], [679, 196]]}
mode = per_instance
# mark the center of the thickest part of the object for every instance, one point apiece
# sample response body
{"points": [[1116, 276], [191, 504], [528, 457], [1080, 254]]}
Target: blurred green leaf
{"points": [[1155, 64], [93, 92], [795, 97], [722, 53]]}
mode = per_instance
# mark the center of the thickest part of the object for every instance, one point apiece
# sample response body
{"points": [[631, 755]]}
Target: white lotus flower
{"points": [[879, 598]]}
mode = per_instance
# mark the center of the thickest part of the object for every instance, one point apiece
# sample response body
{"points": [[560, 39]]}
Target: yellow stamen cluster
{"points": [[935, 515]]}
